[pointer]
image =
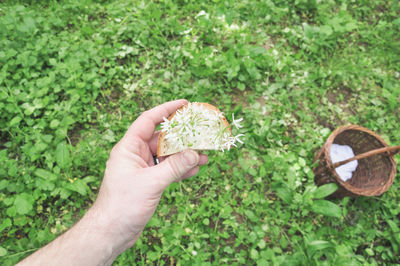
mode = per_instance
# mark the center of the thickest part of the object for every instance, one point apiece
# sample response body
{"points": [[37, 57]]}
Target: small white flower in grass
{"points": [[186, 32], [236, 122], [221, 18], [194, 252], [233, 26], [202, 13]]}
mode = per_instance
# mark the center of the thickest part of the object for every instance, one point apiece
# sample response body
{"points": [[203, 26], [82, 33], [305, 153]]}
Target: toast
{"points": [[197, 126]]}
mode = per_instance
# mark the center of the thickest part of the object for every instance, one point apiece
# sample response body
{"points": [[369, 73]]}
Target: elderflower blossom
{"points": [[199, 127]]}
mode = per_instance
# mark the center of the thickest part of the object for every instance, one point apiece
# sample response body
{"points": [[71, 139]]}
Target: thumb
{"points": [[175, 166]]}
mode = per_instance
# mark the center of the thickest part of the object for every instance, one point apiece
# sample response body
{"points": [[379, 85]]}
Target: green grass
{"points": [[75, 74]]}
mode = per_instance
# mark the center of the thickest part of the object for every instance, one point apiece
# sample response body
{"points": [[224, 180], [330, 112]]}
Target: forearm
{"points": [[89, 242], [129, 194]]}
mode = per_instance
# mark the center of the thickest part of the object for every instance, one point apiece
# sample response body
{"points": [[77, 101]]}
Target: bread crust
{"points": [[207, 105]]}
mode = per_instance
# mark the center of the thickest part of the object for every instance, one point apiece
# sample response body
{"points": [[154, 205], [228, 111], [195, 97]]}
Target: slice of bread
{"points": [[197, 126]]}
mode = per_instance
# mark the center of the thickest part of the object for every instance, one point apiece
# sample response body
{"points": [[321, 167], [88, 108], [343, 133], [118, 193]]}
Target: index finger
{"points": [[145, 125]]}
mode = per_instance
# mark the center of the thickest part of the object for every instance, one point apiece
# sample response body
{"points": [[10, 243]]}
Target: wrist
{"points": [[109, 231], [87, 243], [92, 232], [101, 233]]}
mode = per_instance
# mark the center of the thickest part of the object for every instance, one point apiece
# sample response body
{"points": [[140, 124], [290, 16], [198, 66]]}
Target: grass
{"points": [[75, 74]]}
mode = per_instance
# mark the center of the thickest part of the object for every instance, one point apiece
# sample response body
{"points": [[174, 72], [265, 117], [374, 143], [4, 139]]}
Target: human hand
{"points": [[133, 185]]}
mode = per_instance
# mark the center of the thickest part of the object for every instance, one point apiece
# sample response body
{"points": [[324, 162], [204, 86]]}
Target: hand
{"points": [[132, 185], [128, 197]]}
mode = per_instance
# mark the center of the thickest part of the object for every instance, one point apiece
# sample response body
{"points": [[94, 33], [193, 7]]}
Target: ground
{"points": [[75, 74]]}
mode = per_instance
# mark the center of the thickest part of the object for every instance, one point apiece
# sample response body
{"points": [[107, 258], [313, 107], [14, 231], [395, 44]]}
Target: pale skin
{"points": [[128, 196]]}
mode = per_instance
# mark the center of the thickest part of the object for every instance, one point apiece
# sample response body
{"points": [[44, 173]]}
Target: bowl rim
{"points": [[374, 191]]}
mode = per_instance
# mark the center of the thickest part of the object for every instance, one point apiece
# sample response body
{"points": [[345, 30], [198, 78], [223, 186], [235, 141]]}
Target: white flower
{"points": [[233, 26], [236, 122], [237, 138], [166, 125], [202, 13], [186, 32], [198, 126]]}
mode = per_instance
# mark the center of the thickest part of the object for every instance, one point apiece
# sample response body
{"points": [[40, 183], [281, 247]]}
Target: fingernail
{"points": [[190, 158]]}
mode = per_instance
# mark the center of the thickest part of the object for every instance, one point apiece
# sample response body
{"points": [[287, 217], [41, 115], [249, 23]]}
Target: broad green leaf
{"points": [[78, 186], [45, 174], [11, 212], [29, 109], [283, 242], [325, 29], [327, 208], [5, 224], [283, 191], [370, 251], [62, 155], [250, 214], [302, 162], [308, 30], [325, 190], [9, 201], [262, 172], [47, 138], [325, 131], [351, 26], [393, 226], [23, 203], [54, 123], [3, 251], [15, 121], [39, 147], [3, 184], [89, 179], [261, 244], [52, 61], [228, 250], [44, 184], [64, 193], [254, 254], [252, 172]]}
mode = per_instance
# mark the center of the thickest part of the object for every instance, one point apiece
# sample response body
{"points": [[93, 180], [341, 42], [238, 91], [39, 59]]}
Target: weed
{"points": [[75, 74]]}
